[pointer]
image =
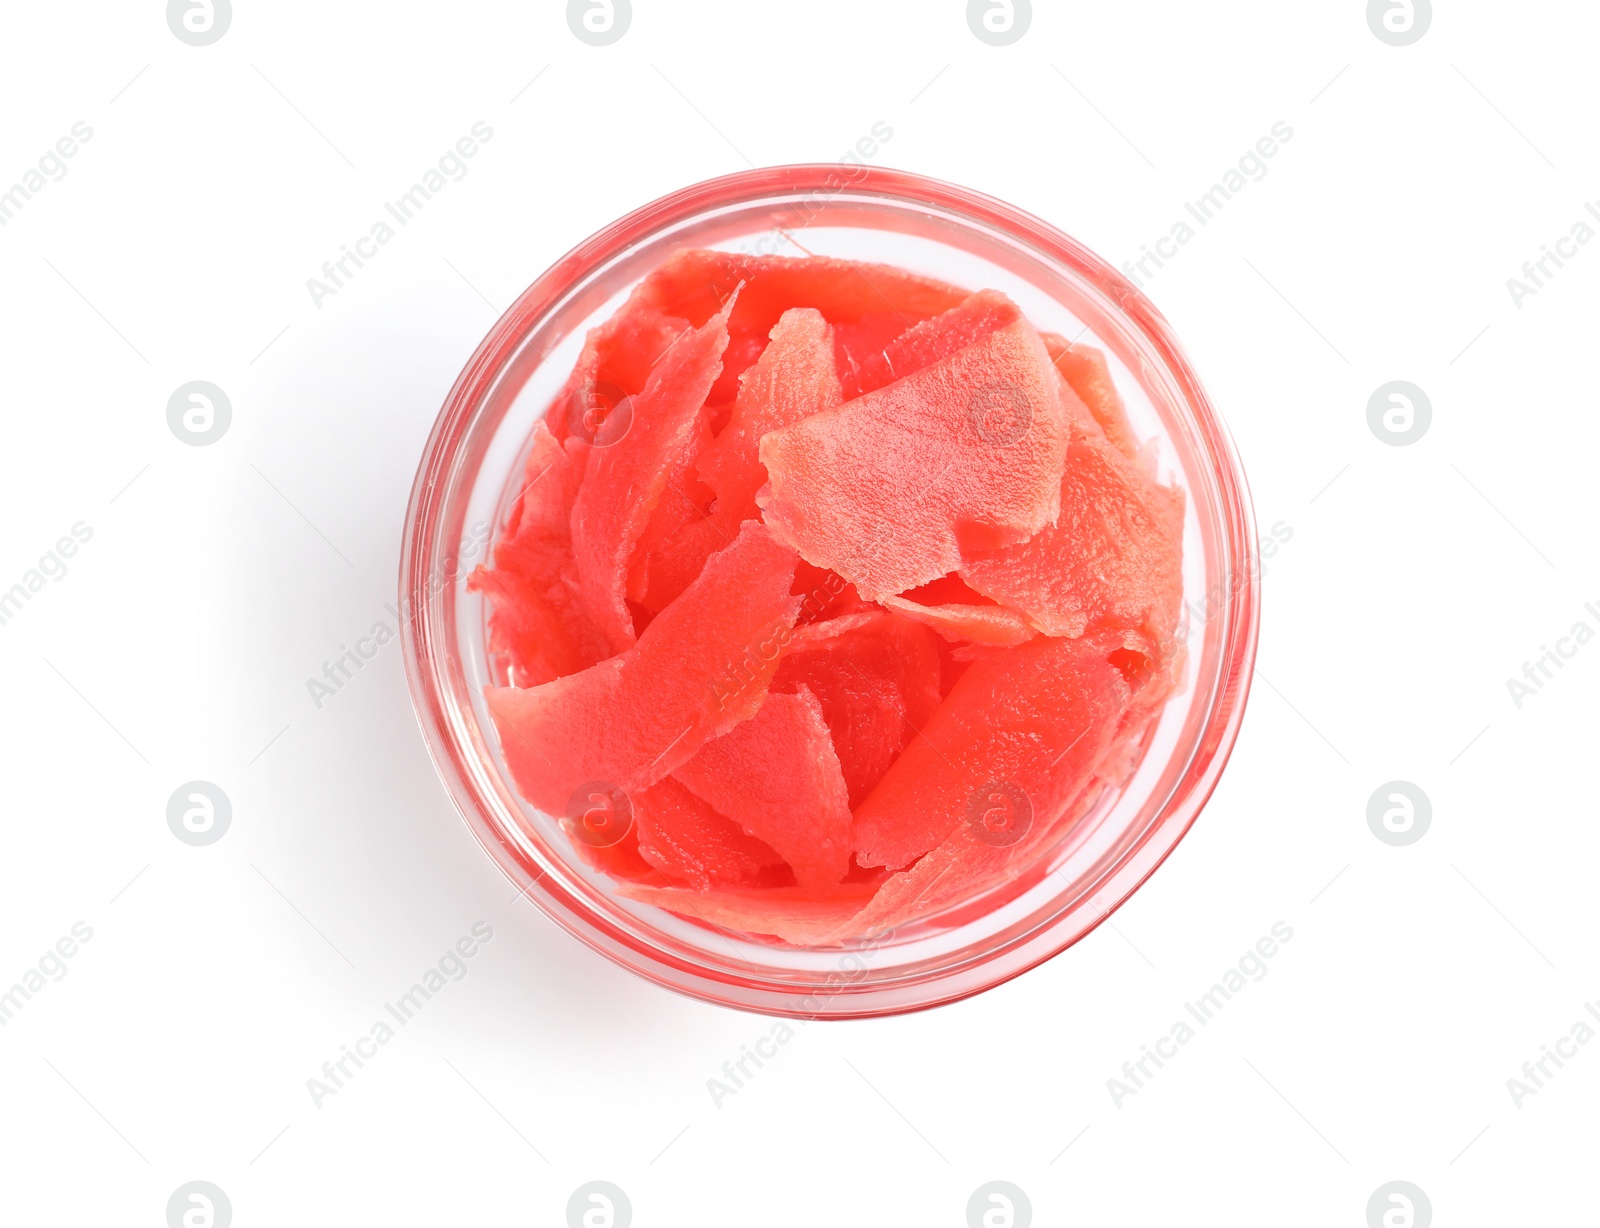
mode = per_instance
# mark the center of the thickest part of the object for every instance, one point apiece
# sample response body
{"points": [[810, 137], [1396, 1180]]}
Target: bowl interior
{"points": [[473, 472]]}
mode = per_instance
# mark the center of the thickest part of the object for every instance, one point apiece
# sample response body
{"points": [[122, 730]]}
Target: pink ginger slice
{"points": [[627, 475], [777, 776], [1027, 724], [634, 718], [683, 837], [897, 487], [1113, 559], [537, 618]]}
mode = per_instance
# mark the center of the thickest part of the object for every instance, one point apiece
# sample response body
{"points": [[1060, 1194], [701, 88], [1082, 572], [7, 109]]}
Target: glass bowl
{"points": [[472, 468]]}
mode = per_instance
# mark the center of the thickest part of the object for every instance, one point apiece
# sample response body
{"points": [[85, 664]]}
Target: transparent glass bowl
{"points": [[472, 469]]}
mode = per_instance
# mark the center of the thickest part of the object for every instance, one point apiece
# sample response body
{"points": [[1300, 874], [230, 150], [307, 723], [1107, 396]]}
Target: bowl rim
{"points": [[421, 586]]}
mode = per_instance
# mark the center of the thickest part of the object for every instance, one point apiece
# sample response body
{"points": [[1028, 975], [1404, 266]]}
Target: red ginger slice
{"points": [[927, 342], [1155, 675], [1028, 723], [616, 360], [683, 837], [1087, 374], [856, 345], [893, 489], [961, 614], [794, 377], [974, 624], [626, 477], [633, 719], [673, 564], [826, 594], [744, 349], [877, 679], [683, 504], [967, 864], [695, 283], [777, 776], [870, 304], [536, 616], [621, 860], [1113, 559], [962, 866]]}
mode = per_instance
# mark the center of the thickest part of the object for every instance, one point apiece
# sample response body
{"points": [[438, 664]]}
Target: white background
{"points": [[177, 646]]}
